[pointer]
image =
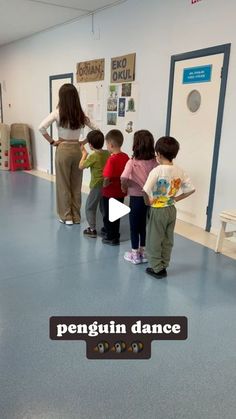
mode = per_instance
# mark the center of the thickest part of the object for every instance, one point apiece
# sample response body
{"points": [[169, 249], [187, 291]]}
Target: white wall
{"points": [[155, 30]]}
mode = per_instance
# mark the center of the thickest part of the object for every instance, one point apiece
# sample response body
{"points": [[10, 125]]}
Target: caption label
{"points": [[118, 337]]}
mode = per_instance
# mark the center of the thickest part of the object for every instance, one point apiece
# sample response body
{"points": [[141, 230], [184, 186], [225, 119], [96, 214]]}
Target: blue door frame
{"points": [[225, 49], [51, 78]]}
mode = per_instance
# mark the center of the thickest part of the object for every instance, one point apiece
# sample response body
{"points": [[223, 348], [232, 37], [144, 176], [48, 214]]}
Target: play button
{"points": [[117, 210]]}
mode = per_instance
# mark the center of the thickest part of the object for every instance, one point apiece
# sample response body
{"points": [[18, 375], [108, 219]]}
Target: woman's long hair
{"points": [[70, 111], [143, 145]]}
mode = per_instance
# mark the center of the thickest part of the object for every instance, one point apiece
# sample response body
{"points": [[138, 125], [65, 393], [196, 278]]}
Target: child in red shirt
{"points": [[112, 186]]}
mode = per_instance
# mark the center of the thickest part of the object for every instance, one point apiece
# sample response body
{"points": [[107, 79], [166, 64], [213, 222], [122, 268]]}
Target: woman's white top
{"points": [[63, 133]]}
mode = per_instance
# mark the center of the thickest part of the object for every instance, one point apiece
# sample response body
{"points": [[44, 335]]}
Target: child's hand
{"points": [[106, 182], [84, 141]]}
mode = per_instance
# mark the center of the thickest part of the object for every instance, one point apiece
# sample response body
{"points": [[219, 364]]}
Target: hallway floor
{"points": [[49, 269]]}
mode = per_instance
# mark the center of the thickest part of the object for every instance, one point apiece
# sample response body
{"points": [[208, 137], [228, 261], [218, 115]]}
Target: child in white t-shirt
{"points": [[161, 188]]}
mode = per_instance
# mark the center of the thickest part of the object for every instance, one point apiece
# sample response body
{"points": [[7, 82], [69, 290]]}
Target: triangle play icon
{"points": [[117, 210]]}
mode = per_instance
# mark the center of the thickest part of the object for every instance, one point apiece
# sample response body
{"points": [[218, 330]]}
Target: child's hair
{"points": [[70, 110], [96, 139], [168, 147], [115, 137], [143, 145]]}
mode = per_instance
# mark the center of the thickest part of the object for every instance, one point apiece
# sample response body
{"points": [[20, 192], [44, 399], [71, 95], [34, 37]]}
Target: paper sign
{"points": [[123, 68]]}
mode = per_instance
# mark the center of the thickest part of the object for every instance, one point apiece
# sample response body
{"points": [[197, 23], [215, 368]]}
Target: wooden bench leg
{"points": [[220, 237]]}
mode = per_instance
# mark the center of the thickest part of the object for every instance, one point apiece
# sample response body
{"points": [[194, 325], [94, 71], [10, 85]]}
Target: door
{"points": [[195, 111], [55, 82]]}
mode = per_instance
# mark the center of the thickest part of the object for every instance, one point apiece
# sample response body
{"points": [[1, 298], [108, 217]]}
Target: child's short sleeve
{"points": [[151, 181], [127, 170], [108, 170], [89, 162]]}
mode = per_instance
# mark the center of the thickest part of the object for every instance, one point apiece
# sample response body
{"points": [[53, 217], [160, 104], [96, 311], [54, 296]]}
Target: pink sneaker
{"points": [[133, 257]]}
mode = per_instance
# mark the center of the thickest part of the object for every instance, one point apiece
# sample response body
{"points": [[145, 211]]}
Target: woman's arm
{"points": [[91, 124], [47, 122]]}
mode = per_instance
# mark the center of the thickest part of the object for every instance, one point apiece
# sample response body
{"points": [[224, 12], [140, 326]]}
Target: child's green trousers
{"points": [[160, 236]]}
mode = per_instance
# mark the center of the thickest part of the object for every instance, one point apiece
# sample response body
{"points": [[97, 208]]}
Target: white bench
{"points": [[225, 217]]}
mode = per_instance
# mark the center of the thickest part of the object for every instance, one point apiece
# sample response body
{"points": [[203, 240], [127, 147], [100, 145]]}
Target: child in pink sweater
{"points": [[133, 179]]}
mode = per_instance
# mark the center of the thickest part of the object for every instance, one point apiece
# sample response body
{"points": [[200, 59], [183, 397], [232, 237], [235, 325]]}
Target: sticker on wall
{"points": [[194, 100], [121, 111], [199, 74], [111, 118], [113, 91], [126, 89], [131, 105], [129, 127]]}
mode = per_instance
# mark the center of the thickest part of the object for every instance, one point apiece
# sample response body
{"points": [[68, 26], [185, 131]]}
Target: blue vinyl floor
{"points": [[50, 269]]}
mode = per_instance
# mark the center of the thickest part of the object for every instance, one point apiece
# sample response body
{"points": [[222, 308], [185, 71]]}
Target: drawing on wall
{"points": [[111, 118], [129, 127], [111, 104], [131, 105], [121, 110], [91, 111], [126, 89], [113, 91]]}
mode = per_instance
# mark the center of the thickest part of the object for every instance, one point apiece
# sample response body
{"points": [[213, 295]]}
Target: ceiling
{"points": [[22, 18]]}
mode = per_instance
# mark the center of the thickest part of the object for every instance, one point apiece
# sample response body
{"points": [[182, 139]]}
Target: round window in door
{"points": [[194, 100]]}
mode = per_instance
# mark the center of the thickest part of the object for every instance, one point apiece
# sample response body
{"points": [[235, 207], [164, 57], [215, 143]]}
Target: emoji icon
{"points": [[135, 347], [102, 347], [119, 347]]}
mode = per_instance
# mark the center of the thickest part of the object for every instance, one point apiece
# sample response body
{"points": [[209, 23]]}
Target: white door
{"points": [[195, 129], [55, 86]]}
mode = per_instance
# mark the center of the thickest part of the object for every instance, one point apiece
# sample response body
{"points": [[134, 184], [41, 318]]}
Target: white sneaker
{"points": [[69, 222]]}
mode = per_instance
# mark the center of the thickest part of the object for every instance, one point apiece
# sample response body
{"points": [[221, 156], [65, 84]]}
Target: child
{"points": [[161, 187], [133, 178], [112, 187], [96, 161]]}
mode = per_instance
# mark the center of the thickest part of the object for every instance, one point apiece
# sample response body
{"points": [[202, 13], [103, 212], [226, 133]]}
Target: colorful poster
{"points": [[111, 104], [126, 89], [121, 110], [111, 118], [113, 91], [131, 105]]}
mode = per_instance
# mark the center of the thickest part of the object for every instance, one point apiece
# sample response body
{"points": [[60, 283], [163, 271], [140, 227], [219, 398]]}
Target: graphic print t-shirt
{"points": [[164, 183]]}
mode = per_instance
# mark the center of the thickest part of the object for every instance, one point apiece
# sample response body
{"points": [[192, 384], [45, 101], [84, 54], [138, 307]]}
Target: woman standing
{"points": [[70, 119]]}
